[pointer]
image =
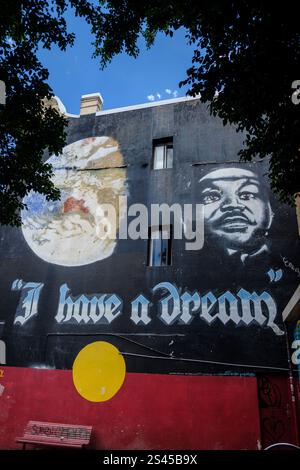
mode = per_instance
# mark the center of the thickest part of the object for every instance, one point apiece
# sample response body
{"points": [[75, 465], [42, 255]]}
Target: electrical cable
{"points": [[167, 356]]}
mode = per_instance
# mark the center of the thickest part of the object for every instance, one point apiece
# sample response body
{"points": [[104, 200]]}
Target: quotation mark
{"points": [[17, 284], [275, 276]]}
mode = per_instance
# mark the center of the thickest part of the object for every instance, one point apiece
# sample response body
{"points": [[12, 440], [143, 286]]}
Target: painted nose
{"points": [[231, 203]]}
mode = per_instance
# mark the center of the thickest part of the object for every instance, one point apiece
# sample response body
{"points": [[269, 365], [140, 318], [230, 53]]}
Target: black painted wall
{"points": [[201, 145]]}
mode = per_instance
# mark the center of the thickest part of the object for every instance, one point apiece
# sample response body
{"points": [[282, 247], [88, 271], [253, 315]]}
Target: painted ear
{"points": [[270, 217]]}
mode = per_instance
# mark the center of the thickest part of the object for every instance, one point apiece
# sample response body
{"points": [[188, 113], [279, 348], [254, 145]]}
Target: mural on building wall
{"points": [[215, 309], [237, 212], [237, 218], [73, 301], [88, 173]]}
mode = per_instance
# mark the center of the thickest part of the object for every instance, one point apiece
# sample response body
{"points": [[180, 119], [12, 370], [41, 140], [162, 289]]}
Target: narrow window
{"points": [[159, 246], [163, 154]]}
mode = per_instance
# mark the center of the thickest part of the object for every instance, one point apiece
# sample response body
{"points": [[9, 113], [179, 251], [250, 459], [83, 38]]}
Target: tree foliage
{"points": [[246, 57], [27, 126]]}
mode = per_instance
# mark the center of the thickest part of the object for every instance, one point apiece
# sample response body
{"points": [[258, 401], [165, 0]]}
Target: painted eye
{"points": [[211, 197], [246, 196]]}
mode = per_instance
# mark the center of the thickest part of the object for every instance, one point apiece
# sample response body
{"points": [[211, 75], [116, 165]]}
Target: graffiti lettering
{"points": [[269, 393], [176, 307], [100, 309], [28, 304], [242, 308], [290, 265], [255, 303], [140, 310]]}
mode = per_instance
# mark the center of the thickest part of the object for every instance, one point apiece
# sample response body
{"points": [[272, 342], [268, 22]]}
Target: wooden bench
{"points": [[55, 434]]}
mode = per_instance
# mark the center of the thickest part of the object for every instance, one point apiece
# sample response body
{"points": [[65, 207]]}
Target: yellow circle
{"points": [[98, 371]]}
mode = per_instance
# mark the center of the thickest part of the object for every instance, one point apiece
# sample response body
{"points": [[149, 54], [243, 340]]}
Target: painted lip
{"points": [[236, 219], [235, 222], [234, 227]]}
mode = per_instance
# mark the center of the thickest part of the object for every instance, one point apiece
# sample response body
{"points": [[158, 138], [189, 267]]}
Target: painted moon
{"points": [[88, 174]]}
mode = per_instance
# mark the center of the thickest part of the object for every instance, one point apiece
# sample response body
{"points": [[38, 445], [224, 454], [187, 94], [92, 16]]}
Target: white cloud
{"points": [[175, 93], [168, 91], [158, 95], [151, 97]]}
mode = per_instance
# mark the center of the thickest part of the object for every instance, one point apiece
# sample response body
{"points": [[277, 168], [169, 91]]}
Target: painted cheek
{"points": [[258, 211], [210, 211]]}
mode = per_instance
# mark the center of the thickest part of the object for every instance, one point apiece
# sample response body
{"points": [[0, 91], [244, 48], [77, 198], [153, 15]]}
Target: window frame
{"points": [[161, 229], [166, 144]]}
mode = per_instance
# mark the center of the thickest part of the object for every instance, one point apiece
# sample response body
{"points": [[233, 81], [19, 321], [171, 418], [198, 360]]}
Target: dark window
{"points": [[159, 247], [163, 154]]}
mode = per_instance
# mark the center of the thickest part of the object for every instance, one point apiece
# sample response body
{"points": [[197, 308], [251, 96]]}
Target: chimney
{"points": [[90, 104], [55, 103]]}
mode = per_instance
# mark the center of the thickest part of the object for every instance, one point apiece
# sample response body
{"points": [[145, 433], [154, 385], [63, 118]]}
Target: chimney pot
{"points": [[90, 104]]}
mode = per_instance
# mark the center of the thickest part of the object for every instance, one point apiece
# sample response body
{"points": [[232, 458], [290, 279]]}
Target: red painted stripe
{"points": [[151, 411]]}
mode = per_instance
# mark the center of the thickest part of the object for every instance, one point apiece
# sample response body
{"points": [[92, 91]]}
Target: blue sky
{"points": [[125, 81]]}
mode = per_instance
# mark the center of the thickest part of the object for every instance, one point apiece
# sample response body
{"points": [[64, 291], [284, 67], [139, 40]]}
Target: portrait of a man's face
{"points": [[237, 210]]}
